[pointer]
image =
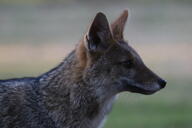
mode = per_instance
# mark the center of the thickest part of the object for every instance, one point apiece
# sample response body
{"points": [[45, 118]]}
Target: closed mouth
{"points": [[146, 89], [136, 89]]}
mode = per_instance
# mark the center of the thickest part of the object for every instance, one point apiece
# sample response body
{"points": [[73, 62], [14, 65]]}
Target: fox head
{"points": [[109, 62]]}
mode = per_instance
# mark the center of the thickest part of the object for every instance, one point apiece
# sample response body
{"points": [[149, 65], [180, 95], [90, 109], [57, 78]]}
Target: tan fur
{"points": [[82, 60], [118, 26], [81, 54]]}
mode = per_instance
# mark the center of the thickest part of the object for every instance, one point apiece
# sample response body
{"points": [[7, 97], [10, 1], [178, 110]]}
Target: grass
{"points": [[150, 115], [169, 108]]}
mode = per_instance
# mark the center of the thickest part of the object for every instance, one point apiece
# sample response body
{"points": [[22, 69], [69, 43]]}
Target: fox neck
{"points": [[67, 97], [60, 75]]}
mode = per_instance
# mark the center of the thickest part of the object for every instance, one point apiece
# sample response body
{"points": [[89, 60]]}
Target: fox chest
{"points": [[105, 109]]}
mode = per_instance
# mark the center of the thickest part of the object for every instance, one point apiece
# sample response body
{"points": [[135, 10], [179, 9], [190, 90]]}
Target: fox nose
{"points": [[162, 83]]}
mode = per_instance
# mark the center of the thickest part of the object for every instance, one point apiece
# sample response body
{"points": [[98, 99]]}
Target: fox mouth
{"points": [[140, 90], [147, 89]]}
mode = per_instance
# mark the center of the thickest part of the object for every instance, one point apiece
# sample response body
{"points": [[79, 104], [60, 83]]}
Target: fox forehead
{"points": [[131, 50], [122, 51]]}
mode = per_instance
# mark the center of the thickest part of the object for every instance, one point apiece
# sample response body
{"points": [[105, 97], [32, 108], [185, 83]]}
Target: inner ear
{"points": [[118, 25], [99, 35]]}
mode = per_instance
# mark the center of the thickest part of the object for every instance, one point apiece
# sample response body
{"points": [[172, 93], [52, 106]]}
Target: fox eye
{"points": [[127, 63]]}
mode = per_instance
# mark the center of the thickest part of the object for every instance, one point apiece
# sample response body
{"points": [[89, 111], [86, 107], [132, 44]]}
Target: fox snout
{"points": [[145, 86], [141, 80]]}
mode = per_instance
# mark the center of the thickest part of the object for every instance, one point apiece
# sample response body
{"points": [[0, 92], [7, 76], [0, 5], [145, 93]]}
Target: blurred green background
{"points": [[35, 35]]}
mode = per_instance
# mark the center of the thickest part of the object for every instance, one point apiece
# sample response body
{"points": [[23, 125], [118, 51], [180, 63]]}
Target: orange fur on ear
{"points": [[118, 25], [81, 61], [81, 54]]}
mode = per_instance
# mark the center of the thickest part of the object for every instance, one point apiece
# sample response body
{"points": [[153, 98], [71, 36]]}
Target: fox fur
{"points": [[80, 91]]}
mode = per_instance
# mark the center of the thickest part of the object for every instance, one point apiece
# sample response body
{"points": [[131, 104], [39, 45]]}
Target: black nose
{"points": [[162, 83]]}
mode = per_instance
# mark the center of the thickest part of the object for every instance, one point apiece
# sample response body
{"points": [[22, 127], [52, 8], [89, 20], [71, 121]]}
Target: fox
{"points": [[80, 91]]}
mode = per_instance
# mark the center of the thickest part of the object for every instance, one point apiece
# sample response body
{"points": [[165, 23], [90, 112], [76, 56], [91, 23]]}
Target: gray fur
{"points": [[52, 100]]}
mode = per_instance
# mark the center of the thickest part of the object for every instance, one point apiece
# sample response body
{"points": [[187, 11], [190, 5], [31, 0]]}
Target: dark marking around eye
{"points": [[126, 63]]}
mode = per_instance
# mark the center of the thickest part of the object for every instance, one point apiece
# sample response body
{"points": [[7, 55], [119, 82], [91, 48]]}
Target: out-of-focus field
{"points": [[35, 36], [167, 59]]}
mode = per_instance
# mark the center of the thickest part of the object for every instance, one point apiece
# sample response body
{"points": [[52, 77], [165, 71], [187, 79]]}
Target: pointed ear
{"points": [[99, 35], [118, 25]]}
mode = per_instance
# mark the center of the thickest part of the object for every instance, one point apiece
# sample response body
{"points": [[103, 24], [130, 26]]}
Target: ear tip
{"points": [[100, 18], [100, 14], [125, 12]]}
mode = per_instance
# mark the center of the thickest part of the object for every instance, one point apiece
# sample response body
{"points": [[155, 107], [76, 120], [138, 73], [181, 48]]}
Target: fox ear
{"points": [[118, 25], [99, 34]]}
